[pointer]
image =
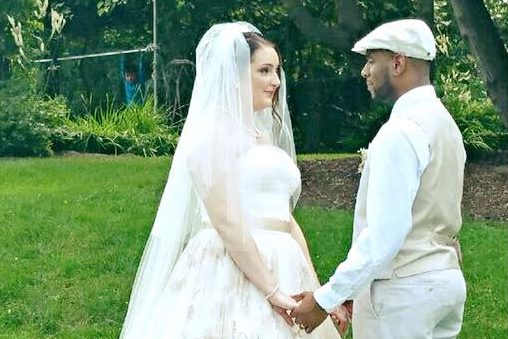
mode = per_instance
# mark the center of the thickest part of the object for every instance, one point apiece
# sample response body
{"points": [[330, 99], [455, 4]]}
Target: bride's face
{"points": [[265, 76]]}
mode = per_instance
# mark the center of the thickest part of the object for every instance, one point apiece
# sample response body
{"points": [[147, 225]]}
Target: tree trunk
{"points": [[477, 27]]}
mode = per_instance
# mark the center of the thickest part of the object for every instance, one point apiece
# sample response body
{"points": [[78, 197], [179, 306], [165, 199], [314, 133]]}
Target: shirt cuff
{"points": [[326, 297]]}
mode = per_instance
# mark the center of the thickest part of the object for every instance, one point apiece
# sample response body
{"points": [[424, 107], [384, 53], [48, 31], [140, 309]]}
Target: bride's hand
{"points": [[283, 300], [281, 303], [342, 316]]}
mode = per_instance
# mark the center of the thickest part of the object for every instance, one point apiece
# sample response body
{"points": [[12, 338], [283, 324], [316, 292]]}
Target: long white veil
{"points": [[219, 128]]}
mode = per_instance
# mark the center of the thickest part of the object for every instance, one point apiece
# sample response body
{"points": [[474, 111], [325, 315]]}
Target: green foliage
{"points": [[32, 35], [477, 118], [330, 107], [462, 89], [106, 6], [499, 12], [27, 118], [19, 7], [135, 129]]}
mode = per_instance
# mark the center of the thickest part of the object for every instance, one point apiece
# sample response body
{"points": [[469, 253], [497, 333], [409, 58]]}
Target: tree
{"points": [[350, 20], [473, 19], [477, 27], [341, 36], [330, 106], [7, 46]]}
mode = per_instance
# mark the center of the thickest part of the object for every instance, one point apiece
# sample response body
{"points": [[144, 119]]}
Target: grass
{"points": [[326, 156], [73, 230], [484, 247]]}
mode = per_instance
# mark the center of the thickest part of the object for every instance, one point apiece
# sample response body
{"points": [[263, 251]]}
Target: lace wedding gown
{"points": [[207, 296]]}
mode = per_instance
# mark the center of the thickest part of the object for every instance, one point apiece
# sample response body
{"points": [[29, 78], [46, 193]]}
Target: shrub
{"points": [[27, 117], [462, 89], [465, 97], [136, 129]]}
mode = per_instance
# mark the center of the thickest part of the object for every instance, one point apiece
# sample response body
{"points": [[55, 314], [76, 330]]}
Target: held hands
{"points": [[308, 314], [303, 310]]}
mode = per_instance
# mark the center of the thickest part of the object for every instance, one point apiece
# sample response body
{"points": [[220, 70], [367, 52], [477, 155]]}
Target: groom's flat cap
{"points": [[410, 37]]}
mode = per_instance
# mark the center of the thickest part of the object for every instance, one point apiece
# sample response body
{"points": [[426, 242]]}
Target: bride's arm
{"points": [[226, 218], [297, 234], [213, 164]]}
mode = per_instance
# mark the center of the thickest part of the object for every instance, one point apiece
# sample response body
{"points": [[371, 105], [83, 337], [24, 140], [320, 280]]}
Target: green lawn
{"points": [[73, 230]]}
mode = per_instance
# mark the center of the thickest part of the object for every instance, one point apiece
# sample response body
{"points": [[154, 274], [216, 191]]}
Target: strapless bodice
{"points": [[268, 179]]}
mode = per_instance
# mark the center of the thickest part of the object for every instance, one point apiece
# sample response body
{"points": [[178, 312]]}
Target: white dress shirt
{"points": [[397, 157]]}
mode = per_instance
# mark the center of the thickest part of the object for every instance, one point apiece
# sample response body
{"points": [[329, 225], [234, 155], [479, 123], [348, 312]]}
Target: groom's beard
{"points": [[386, 92]]}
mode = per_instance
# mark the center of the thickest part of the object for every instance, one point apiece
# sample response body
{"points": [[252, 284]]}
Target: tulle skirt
{"points": [[208, 297]]}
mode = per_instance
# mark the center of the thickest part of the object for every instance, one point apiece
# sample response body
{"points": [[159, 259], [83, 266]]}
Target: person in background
{"points": [[133, 80]]}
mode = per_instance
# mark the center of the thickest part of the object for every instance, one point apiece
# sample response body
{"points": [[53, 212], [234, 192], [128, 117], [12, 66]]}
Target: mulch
{"points": [[333, 183]]}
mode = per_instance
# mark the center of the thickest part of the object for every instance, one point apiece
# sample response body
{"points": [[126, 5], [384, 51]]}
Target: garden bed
{"points": [[333, 183]]}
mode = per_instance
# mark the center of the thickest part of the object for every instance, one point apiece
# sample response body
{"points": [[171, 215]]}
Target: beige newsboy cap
{"points": [[410, 37]]}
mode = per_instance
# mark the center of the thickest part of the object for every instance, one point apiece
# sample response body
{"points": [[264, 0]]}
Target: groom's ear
{"points": [[399, 64]]}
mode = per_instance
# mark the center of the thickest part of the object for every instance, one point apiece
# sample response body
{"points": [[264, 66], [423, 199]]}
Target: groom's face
{"points": [[377, 75]]}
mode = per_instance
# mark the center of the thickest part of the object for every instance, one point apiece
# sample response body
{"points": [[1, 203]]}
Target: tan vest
{"points": [[436, 213]]}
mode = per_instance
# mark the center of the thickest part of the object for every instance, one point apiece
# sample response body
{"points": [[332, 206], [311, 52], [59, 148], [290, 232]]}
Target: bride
{"points": [[225, 253]]}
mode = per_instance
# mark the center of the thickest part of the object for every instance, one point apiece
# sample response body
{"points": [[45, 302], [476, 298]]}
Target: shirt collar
{"points": [[410, 98]]}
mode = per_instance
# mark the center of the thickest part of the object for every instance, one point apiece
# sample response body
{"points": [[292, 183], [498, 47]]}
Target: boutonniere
{"points": [[363, 153]]}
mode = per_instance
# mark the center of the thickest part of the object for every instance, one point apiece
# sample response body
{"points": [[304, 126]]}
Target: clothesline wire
{"points": [[149, 48]]}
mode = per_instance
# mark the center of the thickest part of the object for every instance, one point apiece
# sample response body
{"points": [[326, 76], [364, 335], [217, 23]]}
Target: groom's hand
{"points": [[308, 314]]}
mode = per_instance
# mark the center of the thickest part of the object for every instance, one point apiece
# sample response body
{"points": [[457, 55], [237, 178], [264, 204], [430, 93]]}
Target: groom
{"points": [[402, 270]]}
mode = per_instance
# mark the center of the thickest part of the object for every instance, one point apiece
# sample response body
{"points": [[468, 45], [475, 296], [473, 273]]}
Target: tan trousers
{"points": [[422, 306]]}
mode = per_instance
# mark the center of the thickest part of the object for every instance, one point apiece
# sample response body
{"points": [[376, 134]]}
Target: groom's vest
{"points": [[436, 213]]}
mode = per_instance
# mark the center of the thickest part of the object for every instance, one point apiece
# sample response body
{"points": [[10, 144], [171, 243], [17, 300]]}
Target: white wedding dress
{"points": [[207, 296]]}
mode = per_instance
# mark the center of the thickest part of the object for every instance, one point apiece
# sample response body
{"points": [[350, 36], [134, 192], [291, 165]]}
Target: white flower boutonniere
{"points": [[363, 152]]}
